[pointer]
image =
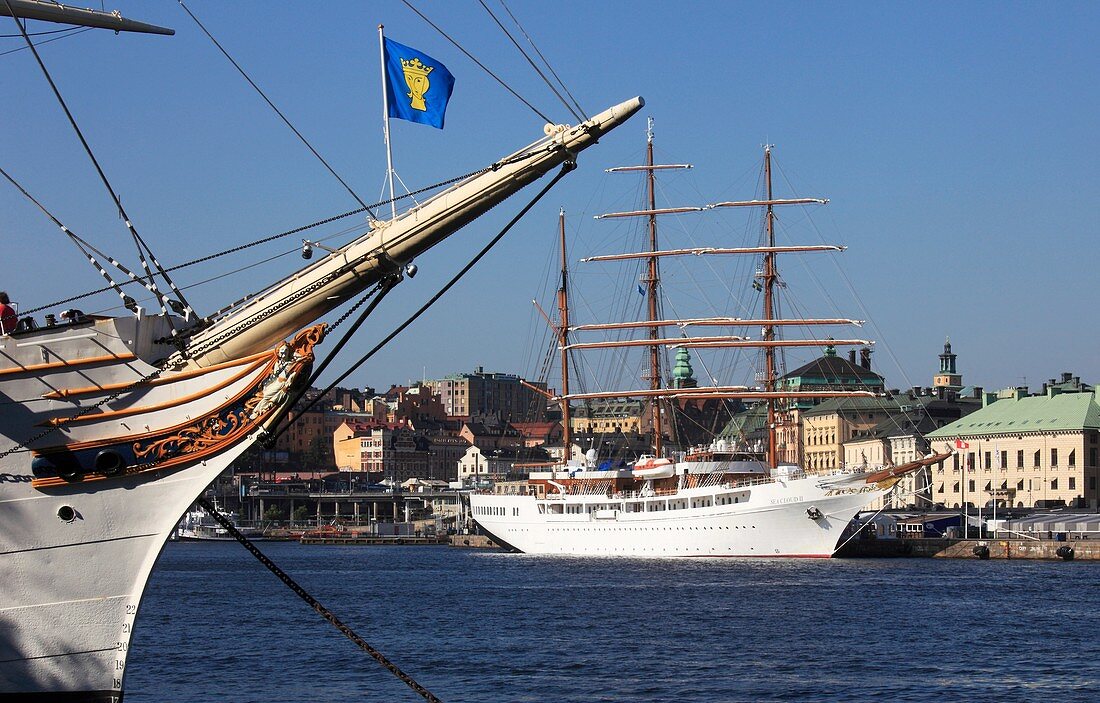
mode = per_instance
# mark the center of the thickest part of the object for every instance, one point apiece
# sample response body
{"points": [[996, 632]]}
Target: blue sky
{"points": [[957, 144]]}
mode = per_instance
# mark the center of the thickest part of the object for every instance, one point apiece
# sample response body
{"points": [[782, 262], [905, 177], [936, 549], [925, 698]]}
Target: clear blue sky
{"points": [[957, 143]]}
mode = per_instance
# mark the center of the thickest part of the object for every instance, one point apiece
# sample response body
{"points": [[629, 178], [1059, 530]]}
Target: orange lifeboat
{"points": [[650, 467]]}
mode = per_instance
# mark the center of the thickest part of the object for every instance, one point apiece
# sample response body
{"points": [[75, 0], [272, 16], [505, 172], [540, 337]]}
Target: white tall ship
{"points": [[716, 501], [110, 427]]}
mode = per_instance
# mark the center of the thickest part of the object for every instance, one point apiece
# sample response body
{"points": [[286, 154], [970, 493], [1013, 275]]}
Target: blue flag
{"points": [[417, 86]]}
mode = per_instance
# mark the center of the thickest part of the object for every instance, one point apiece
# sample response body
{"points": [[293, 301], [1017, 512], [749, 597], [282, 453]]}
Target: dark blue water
{"points": [[478, 626]]}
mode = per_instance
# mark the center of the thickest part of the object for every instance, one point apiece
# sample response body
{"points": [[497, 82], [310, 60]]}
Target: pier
{"points": [[989, 548]]}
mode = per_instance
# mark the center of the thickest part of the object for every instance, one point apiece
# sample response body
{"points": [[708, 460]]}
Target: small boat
{"points": [[198, 525], [650, 467]]}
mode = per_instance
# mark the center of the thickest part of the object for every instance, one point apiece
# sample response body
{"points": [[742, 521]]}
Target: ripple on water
{"points": [[476, 626]]}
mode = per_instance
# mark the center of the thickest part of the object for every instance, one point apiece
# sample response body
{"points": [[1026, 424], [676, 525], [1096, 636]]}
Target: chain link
{"points": [[315, 604]]}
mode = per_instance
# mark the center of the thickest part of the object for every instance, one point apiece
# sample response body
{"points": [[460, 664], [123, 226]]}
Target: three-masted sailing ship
{"points": [[717, 500], [110, 427]]}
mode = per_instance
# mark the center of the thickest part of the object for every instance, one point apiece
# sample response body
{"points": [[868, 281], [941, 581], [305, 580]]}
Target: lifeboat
{"points": [[650, 467]]}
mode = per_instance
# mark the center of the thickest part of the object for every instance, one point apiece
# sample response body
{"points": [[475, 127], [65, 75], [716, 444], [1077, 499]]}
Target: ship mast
{"points": [[563, 343], [652, 278], [769, 307]]}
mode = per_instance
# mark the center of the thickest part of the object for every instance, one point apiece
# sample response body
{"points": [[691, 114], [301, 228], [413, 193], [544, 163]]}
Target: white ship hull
{"points": [[72, 590], [768, 519], [76, 552]]}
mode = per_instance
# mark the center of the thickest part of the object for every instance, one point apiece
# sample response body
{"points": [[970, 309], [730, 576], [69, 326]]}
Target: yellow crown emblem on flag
{"points": [[416, 77]]}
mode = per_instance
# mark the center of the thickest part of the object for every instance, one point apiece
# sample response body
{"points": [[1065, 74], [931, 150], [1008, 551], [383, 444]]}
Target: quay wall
{"points": [[473, 542], [941, 548]]}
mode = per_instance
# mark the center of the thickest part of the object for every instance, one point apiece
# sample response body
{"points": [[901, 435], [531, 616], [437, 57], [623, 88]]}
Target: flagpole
{"points": [[386, 120]]}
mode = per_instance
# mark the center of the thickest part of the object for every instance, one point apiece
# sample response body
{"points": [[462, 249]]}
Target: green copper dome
{"points": [[682, 373]]}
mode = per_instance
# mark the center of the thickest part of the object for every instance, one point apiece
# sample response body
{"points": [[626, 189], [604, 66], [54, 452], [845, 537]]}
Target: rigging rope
{"points": [[296, 230], [314, 603], [39, 34], [377, 293], [530, 41], [566, 167], [70, 33], [142, 247], [272, 106], [533, 64], [480, 65]]}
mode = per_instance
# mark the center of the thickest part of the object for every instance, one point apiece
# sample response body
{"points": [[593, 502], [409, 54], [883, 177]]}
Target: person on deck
{"points": [[8, 318]]}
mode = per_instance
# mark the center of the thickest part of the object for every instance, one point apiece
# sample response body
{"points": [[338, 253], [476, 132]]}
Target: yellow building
{"points": [[1023, 450]]}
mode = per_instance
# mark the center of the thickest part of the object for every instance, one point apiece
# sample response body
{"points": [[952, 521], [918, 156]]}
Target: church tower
{"points": [[948, 377], [682, 373]]}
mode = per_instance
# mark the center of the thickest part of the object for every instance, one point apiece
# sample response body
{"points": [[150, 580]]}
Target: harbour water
{"points": [[478, 626]]}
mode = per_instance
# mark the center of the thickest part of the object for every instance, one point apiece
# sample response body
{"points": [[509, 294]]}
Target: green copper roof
{"points": [[1041, 413], [682, 370]]}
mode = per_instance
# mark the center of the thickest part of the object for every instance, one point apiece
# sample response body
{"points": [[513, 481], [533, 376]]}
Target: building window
{"points": [[956, 488], [1020, 459], [1072, 483], [1092, 457], [970, 485], [1072, 459], [988, 461], [1037, 453], [1004, 460], [1020, 485], [1053, 457], [970, 461], [1054, 484]]}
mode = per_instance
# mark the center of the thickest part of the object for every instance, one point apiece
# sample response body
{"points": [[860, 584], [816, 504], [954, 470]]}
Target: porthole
{"points": [[66, 513]]}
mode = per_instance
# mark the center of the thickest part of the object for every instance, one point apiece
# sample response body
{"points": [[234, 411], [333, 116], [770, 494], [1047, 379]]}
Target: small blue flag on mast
{"points": [[417, 86]]}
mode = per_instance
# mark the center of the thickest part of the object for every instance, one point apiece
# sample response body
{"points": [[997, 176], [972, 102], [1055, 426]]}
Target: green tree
{"points": [[273, 514], [301, 514]]}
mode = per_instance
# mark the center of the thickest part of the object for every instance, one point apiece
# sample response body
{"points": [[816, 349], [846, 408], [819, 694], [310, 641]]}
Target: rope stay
{"points": [[480, 65], [314, 603], [297, 230], [66, 33], [566, 167], [278, 112], [530, 61], [583, 114], [181, 307]]}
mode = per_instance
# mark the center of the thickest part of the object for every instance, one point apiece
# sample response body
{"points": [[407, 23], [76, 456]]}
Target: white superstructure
{"points": [[588, 514]]}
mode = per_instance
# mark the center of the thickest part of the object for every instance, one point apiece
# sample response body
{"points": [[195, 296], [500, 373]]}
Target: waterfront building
{"points": [[479, 394], [480, 464], [490, 433], [1023, 450], [828, 373], [417, 403], [538, 434], [831, 423], [610, 417], [397, 452], [900, 438]]}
